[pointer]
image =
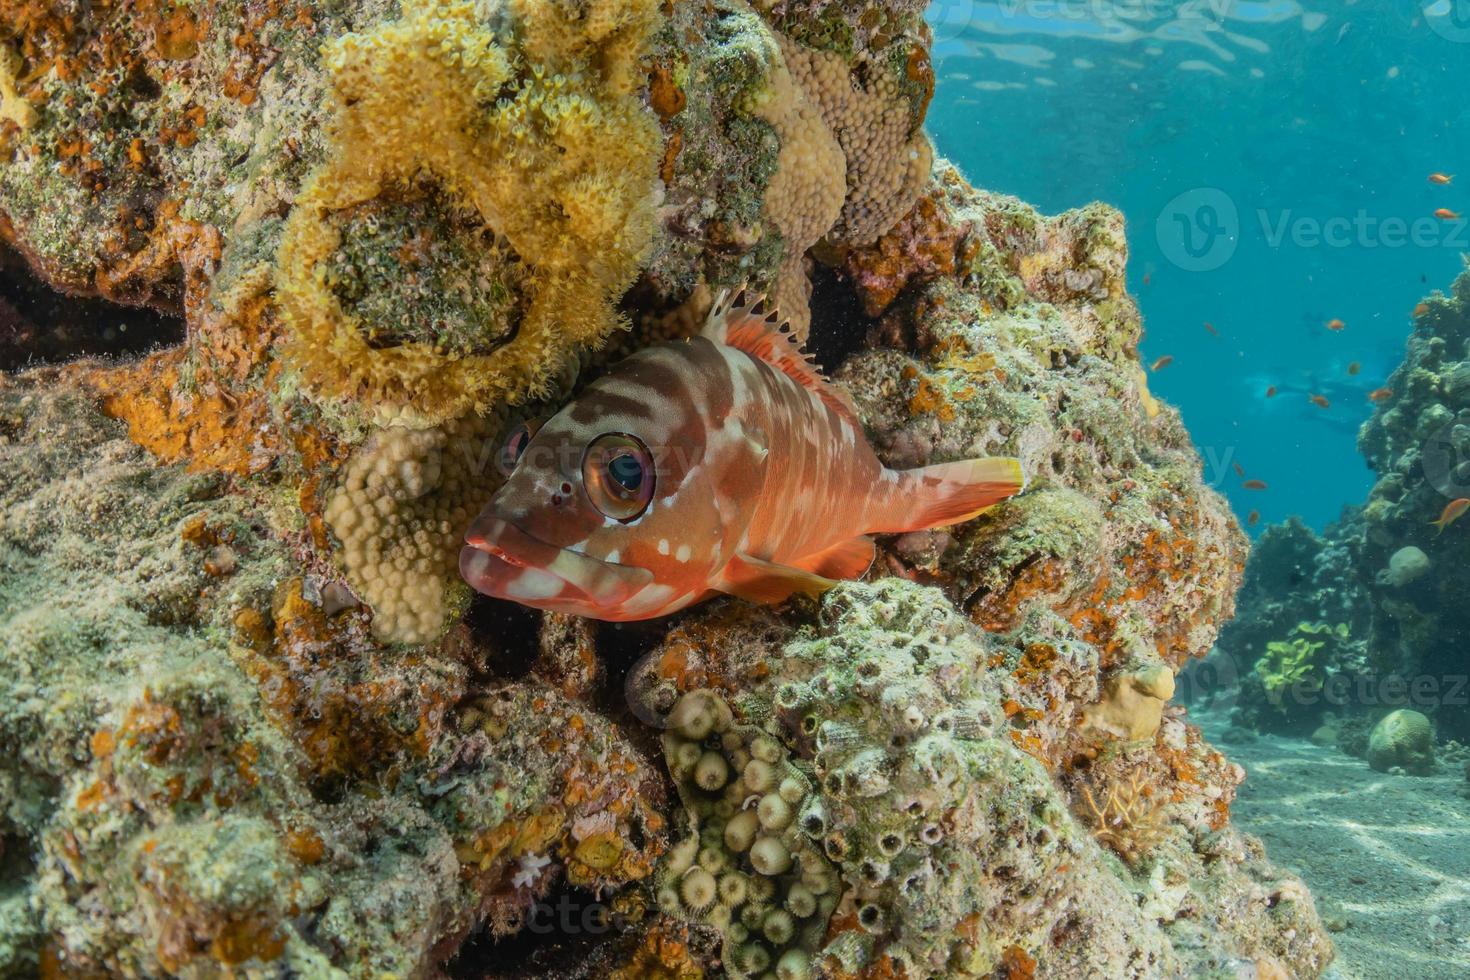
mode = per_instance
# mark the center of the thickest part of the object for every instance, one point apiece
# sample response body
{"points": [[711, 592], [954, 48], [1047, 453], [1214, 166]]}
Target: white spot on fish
{"points": [[614, 555], [683, 553], [476, 565], [650, 599], [663, 546], [533, 584]]}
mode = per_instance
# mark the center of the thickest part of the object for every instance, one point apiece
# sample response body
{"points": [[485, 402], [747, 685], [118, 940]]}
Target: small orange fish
{"points": [[1211, 328], [1445, 214], [1335, 325], [1254, 518], [1451, 513], [1354, 368], [1239, 470], [1421, 310], [1442, 179], [1380, 395], [1162, 363], [1254, 485], [1321, 402], [1271, 392]]}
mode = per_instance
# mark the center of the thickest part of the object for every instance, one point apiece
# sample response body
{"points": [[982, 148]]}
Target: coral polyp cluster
{"points": [[753, 869], [400, 511], [888, 156]]}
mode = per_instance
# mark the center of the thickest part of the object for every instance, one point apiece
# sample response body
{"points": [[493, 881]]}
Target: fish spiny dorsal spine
{"points": [[747, 322]]}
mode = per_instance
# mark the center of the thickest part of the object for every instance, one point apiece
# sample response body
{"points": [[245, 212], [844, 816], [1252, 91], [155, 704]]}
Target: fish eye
{"points": [[617, 471], [515, 446]]}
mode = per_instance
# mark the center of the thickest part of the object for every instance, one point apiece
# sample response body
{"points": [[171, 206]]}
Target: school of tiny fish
{"points": [[1377, 396]]}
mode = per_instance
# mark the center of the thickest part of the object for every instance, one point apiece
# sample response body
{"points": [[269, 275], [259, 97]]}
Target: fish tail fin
{"points": [[948, 493]]}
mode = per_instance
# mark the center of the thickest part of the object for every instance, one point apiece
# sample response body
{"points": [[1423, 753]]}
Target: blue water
{"points": [[1272, 163]]}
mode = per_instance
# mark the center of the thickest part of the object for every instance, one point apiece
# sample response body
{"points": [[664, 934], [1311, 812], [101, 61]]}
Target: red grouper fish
{"points": [[722, 463]]}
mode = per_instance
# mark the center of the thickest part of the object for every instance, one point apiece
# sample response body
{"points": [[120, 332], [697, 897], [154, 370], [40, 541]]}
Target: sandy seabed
{"points": [[1387, 856]]}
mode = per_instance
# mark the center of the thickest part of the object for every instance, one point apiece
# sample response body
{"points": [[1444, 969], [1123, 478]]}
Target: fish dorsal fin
{"points": [[748, 321]]}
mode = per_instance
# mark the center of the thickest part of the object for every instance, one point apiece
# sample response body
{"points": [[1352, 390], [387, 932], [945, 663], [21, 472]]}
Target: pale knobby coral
{"points": [[400, 512], [546, 144], [888, 156], [806, 193]]}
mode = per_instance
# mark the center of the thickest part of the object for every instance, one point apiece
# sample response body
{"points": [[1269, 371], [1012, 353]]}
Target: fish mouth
{"points": [[503, 561]]}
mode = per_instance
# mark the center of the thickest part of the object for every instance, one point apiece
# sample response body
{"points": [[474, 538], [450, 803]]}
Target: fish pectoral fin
{"points": [[767, 582], [845, 559]]}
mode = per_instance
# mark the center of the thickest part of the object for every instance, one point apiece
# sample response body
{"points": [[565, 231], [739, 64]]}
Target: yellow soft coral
{"points": [[541, 135]]}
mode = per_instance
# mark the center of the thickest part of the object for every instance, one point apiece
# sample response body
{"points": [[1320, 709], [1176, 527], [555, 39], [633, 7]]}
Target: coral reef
{"points": [[252, 723], [1385, 570], [1403, 739], [209, 767], [375, 217], [957, 849]]}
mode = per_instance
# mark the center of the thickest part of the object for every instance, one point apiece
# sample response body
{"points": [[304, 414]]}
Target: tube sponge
{"points": [[539, 136]]}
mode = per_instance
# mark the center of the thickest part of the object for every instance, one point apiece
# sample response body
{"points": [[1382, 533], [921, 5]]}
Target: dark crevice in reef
{"points": [[620, 646], [567, 935], [17, 862], [41, 325], [509, 633], [839, 327]]}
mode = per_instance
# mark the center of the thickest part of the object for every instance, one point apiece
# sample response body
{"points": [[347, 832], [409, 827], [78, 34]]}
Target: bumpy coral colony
{"points": [[251, 720]]}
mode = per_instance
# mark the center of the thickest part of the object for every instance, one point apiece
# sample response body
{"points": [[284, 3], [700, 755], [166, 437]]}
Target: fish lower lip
{"points": [[536, 572]]}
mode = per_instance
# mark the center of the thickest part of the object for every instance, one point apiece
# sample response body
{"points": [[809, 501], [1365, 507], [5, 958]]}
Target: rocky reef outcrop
{"points": [[1387, 580], [250, 720]]}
